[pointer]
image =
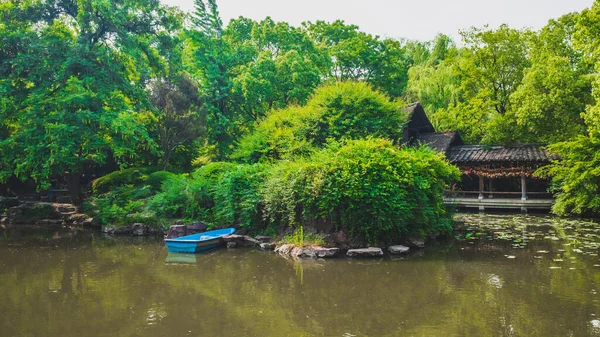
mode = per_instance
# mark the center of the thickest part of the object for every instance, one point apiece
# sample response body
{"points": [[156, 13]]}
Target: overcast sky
{"points": [[413, 19]]}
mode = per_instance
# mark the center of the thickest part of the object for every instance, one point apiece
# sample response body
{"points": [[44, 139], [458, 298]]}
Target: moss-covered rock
{"points": [[6, 203], [31, 213]]}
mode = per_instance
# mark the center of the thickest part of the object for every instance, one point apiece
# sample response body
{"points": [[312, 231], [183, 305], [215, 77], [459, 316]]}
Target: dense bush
{"points": [[370, 188], [131, 176], [156, 179], [219, 193], [343, 110]]}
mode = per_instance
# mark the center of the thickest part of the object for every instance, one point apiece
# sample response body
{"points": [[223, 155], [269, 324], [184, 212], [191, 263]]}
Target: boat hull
{"points": [[193, 247], [198, 242]]}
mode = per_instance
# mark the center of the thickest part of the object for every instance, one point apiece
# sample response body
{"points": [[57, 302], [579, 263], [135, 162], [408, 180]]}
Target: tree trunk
{"points": [[74, 187]]}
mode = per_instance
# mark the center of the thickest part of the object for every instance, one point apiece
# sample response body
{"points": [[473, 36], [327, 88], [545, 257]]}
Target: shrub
{"points": [[131, 176], [156, 179], [368, 187], [344, 110]]}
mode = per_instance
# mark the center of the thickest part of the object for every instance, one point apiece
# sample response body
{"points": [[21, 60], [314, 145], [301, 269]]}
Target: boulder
{"points": [[176, 231], [196, 227], [241, 240], [231, 244], [268, 245], [263, 238], [326, 252], [6, 203], [139, 229], [284, 249], [415, 242], [365, 252], [121, 230], [398, 249], [50, 222], [309, 252], [30, 213]]}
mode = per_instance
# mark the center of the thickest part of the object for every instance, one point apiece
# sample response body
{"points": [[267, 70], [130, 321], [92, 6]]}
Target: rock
{"points": [[30, 213], [365, 252], [196, 227], [121, 231], [304, 253], [263, 238], [176, 231], [326, 252], [231, 244], [268, 245], [415, 242], [65, 208], [310, 252], [398, 249], [49, 222], [139, 229], [284, 249], [6, 203], [241, 240]]}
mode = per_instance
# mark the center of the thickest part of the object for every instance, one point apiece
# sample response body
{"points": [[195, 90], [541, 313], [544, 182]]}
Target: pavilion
{"points": [[493, 177]]}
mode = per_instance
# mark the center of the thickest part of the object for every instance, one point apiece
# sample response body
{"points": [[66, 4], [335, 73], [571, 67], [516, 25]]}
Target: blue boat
{"points": [[198, 242]]}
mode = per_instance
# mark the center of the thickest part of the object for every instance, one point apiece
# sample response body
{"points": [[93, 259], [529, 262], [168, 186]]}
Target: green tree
{"points": [[490, 67], [556, 88], [71, 83], [360, 56], [179, 122]]}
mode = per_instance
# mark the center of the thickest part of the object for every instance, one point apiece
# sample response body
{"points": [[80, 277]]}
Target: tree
{"points": [[178, 124], [556, 88], [72, 78], [490, 68], [360, 56]]}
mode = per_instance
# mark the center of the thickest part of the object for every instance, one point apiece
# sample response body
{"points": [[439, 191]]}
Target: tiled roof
{"points": [[439, 141], [526, 153]]}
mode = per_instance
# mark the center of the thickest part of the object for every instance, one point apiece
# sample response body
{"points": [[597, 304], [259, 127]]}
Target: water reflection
{"points": [[92, 285]]}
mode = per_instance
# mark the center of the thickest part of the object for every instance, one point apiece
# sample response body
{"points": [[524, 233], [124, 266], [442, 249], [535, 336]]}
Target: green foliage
{"points": [[156, 179], [219, 193], [72, 82], [576, 176], [131, 176], [344, 110], [300, 238], [369, 187]]}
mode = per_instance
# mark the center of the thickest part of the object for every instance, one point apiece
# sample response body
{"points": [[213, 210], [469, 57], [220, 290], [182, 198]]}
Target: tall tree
{"points": [[72, 78], [360, 56], [176, 104]]}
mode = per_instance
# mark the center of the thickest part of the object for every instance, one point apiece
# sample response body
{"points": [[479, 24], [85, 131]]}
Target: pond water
{"points": [[500, 275]]}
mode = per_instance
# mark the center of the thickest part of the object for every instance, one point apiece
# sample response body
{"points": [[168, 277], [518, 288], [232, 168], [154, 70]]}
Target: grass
{"points": [[300, 238]]}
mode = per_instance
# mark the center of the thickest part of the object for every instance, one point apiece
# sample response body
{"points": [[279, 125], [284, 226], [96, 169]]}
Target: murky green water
{"points": [[500, 276]]}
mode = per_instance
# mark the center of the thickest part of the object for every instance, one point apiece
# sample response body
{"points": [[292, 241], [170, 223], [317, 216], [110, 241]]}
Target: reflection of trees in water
{"points": [[124, 287]]}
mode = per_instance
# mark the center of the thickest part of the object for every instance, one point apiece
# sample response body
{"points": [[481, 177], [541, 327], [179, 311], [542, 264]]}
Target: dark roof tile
{"points": [[526, 153]]}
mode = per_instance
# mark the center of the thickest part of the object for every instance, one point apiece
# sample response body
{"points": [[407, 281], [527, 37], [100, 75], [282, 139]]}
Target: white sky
{"points": [[413, 19]]}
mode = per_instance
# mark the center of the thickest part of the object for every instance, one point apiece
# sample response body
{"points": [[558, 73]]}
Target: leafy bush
{"points": [[156, 179], [343, 110], [576, 176], [131, 176], [368, 187], [300, 238], [219, 193]]}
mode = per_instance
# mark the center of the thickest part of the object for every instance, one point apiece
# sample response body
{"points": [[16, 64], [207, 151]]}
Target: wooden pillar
{"points": [[481, 186], [523, 192], [523, 187], [490, 188]]}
